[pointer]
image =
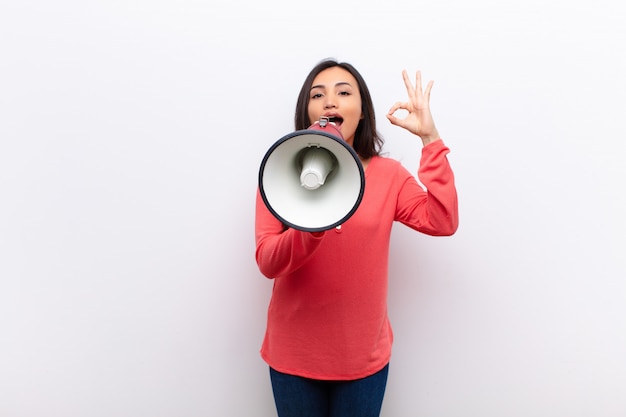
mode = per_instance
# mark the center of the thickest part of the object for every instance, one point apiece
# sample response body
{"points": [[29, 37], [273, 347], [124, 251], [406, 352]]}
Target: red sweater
{"points": [[327, 317]]}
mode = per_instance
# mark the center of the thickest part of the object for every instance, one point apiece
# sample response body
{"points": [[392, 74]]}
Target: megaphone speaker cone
{"points": [[312, 180]]}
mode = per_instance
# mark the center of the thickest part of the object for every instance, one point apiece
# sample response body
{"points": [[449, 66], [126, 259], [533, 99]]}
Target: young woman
{"points": [[328, 338]]}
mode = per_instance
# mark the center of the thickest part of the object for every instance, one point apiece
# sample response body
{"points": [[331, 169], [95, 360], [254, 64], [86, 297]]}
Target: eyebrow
{"points": [[336, 85]]}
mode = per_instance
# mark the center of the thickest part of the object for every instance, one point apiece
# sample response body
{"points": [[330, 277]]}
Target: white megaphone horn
{"points": [[311, 179]]}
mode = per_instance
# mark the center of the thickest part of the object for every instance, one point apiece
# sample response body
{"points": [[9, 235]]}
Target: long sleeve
{"points": [[278, 251], [434, 211]]}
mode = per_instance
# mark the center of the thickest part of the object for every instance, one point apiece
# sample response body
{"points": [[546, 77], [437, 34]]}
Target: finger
{"points": [[429, 87], [418, 83], [394, 120], [391, 115], [407, 83], [397, 106]]}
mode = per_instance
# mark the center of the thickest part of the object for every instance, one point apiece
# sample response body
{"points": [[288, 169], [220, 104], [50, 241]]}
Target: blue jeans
{"points": [[302, 397]]}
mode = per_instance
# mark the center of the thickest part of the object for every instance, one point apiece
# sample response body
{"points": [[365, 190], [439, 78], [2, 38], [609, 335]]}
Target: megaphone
{"points": [[312, 180]]}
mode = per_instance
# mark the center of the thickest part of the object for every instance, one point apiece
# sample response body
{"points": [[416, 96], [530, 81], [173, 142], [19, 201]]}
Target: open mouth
{"points": [[336, 120]]}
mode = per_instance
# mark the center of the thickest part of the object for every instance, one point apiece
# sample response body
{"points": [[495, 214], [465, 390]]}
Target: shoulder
{"points": [[382, 161], [386, 164], [386, 172]]}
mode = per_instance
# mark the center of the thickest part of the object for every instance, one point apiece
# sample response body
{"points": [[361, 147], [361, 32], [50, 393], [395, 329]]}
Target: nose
{"points": [[329, 103]]}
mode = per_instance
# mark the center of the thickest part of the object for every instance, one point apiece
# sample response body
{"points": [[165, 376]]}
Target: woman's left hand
{"points": [[419, 121]]}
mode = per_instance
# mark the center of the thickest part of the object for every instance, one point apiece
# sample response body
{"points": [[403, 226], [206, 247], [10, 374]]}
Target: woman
{"points": [[328, 339]]}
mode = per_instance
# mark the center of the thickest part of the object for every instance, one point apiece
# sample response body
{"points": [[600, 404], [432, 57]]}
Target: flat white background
{"points": [[131, 134]]}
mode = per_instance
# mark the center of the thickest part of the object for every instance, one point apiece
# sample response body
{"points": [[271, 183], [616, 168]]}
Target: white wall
{"points": [[130, 139]]}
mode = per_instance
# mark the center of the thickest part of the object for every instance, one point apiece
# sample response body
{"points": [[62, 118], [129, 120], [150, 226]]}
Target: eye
{"points": [[316, 95], [344, 93]]}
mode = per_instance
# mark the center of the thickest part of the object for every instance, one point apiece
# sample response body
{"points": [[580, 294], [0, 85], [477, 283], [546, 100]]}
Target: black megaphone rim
{"points": [[345, 145]]}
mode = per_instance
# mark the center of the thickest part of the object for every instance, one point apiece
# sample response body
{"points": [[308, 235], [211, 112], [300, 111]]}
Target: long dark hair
{"points": [[367, 141]]}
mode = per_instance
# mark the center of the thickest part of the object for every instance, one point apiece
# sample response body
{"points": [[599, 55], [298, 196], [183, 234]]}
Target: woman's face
{"points": [[335, 94]]}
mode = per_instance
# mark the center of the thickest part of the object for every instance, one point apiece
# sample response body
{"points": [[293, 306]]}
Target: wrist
{"points": [[426, 140], [430, 137]]}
